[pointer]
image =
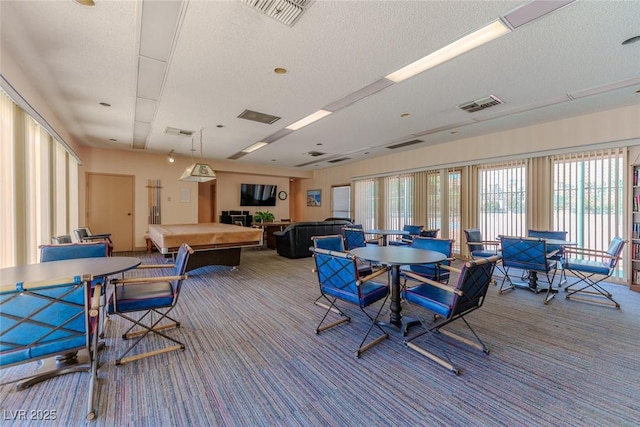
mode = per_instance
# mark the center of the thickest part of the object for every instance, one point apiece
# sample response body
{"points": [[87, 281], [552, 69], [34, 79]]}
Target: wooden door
{"points": [[110, 203]]}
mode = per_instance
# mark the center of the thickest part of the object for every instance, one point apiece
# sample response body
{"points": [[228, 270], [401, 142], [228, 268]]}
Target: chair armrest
{"points": [[485, 242], [430, 282], [97, 237], [143, 266], [588, 252], [95, 301], [553, 253], [373, 275], [450, 268], [147, 279]]}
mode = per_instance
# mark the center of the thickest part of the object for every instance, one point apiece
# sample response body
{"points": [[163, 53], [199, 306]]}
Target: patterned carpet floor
{"points": [[252, 359]]}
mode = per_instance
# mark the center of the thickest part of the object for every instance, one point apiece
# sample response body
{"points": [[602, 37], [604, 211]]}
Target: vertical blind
{"points": [[398, 203], [588, 197], [39, 188], [365, 203], [502, 199]]}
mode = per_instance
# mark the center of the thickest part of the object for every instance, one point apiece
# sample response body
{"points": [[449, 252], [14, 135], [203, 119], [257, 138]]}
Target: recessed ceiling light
{"points": [[105, 104], [280, 70], [219, 126], [405, 115], [85, 2], [113, 139], [319, 143], [631, 40]]}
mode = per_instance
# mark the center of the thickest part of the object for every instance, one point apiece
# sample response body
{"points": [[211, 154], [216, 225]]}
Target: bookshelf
{"points": [[635, 228]]}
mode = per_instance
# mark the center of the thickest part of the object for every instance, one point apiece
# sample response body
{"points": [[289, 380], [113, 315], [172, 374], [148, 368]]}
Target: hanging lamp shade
{"points": [[198, 171]]}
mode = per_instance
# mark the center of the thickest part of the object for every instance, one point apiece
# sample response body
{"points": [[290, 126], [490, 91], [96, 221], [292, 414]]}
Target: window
{"points": [[588, 197], [341, 201], [501, 199]]}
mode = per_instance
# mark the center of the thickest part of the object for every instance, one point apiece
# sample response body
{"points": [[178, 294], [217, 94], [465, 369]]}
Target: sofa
{"points": [[295, 240]]}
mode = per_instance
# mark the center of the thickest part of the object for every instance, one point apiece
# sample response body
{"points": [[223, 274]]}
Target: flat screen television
{"points": [[258, 195]]}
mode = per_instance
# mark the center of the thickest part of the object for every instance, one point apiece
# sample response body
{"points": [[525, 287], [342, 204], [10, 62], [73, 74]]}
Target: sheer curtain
{"points": [[398, 201], [366, 203], [39, 187]]}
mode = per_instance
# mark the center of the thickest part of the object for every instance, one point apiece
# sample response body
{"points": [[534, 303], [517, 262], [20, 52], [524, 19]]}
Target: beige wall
{"points": [[574, 134], [577, 134], [179, 199]]}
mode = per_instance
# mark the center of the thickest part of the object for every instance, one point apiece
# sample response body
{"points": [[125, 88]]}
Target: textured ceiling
{"points": [[223, 55]]}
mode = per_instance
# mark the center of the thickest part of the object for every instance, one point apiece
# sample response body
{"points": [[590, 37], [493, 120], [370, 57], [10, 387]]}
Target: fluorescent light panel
{"points": [[150, 78], [158, 29], [254, 147], [309, 119], [458, 47], [366, 91], [145, 110]]}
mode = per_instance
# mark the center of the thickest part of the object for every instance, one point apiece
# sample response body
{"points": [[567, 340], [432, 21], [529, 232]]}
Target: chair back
{"points": [[182, 258], [430, 233], [65, 238], [354, 238], [556, 235], [38, 320], [444, 246], [338, 276], [333, 242], [414, 230], [472, 286], [615, 250], [73, 250], [526, 253], [474, 235], [81, 234]]}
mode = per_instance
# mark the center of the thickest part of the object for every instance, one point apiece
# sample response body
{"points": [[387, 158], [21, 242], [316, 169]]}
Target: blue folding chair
{"points": [[149, 296], [339, 280], [532, 255], [558, 250], [592, 266], [431, 271], [413, 230], [451, 303], [50, 318]]}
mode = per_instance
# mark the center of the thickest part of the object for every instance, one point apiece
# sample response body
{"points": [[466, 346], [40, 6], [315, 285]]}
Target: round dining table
{"points": [[96, 267], [386, 233], [395, 256]]}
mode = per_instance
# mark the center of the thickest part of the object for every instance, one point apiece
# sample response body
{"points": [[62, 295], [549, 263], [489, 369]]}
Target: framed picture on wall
{"points": [[314, 198]]}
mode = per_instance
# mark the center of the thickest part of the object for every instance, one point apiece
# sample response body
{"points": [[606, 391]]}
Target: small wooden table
{"points": [[270, 228]]}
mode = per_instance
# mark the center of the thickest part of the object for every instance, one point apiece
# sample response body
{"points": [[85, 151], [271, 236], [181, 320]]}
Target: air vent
{"points": [[284, 11], [314, 153], [480, 104], [405, 144], [258, 117], [341, 159], [179, 132]]}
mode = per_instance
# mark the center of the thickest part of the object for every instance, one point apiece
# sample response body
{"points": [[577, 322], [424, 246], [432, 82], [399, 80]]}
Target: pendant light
{"points": [[198, 171]]}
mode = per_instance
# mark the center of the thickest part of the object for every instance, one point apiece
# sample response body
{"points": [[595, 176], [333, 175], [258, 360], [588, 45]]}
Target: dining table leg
{"points": [[395, 316]]}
